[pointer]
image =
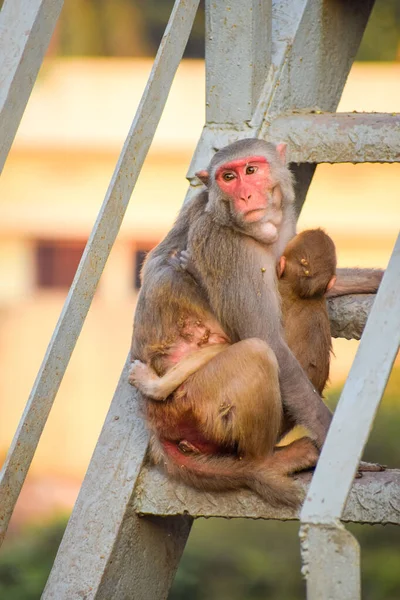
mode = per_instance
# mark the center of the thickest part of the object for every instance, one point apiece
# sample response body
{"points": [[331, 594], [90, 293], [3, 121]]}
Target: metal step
{"points": [[323, 137], [374, 499]]}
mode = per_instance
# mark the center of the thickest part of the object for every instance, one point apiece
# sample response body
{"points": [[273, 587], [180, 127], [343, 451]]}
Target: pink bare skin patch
{"points": [[194, 334], [247, 181]]}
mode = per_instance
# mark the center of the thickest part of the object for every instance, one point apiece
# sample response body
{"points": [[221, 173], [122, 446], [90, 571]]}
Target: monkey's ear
{"points": [[203, 176], [281, 150], [281, 266], [331, 283]]}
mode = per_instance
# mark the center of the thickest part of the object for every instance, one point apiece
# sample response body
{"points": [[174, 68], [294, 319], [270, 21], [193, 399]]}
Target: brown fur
{"points": [[218, 429], [230, 410], [310, 267]]}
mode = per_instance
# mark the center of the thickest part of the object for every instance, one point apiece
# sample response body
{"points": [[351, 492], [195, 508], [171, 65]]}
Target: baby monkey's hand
{"points": [[188, 265]]}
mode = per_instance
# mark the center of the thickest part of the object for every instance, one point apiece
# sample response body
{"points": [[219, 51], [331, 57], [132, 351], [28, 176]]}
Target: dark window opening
{"points": [[56, 262]]}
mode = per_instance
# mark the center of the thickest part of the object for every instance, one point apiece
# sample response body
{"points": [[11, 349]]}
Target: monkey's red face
{"points": [[247, 181]]}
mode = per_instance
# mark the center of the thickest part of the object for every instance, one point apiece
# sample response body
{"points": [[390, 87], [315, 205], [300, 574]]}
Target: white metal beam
{"points": [[338, 137], [108, 551], [313, 47], [358, 403], [94, 258], [330, 554], [331, 563], [26, 27], [238, 58]]}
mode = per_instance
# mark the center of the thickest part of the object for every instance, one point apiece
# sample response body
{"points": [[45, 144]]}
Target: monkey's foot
{"points": [[299, 455], [364, 467], [187, 448], [139, 372], [145, 380]]}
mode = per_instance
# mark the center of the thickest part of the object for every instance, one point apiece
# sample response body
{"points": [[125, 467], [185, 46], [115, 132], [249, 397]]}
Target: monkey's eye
{"points": [[228, 176], [250, 170]]}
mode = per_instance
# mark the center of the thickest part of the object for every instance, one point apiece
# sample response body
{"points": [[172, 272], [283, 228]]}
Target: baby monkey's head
{"points": [[308, 263]]}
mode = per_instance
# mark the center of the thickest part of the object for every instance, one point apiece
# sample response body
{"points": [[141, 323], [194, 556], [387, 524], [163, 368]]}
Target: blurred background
{"points": [[51, 190]]}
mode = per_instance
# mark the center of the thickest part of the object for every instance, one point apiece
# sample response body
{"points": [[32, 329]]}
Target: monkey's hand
{"points": [[145, 380], [182, 261], [188, 265], [175, 261]]}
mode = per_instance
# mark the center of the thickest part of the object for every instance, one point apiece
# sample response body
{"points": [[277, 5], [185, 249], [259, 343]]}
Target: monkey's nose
{"points": [[246, 198]]}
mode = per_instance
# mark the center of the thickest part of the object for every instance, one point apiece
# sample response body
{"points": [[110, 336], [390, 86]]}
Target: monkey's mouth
{"points": [[256, 214]]}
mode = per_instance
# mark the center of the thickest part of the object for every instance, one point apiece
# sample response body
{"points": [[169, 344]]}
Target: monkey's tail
{"points": [[222, 473]]}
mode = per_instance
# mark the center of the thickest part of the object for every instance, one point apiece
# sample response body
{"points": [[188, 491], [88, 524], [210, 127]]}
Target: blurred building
{"points": [[51, 190]]}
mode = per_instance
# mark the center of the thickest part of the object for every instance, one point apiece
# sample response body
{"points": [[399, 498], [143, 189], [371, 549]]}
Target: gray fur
{"points": [[238, 284]]}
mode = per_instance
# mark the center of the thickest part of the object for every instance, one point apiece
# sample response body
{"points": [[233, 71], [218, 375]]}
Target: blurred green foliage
{"points": [[135, 28], [25, 560], [238, 559]]}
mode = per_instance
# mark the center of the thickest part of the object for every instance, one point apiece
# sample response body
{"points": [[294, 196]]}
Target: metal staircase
{"points": [[275, 70]]}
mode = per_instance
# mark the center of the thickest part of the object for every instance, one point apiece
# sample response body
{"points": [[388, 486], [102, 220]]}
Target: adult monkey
{"points": [[219, 428]]}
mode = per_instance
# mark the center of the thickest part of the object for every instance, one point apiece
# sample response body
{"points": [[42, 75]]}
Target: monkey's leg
{"points": [[159, 388], [268, 476], [356, 281], [297, 456], [236, 398]]}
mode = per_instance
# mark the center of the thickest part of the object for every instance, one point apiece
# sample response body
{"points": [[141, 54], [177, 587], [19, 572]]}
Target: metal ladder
{"points": [[275, 70]]}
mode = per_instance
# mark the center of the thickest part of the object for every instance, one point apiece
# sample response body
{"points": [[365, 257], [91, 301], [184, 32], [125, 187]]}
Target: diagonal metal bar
{"points": [[331, 562], [330, 554], [364, 388], [94, 258], [25, 32], [104, 531]]}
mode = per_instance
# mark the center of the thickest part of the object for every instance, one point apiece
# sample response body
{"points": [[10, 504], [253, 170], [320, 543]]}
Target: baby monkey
{"points": [[306, 271]]}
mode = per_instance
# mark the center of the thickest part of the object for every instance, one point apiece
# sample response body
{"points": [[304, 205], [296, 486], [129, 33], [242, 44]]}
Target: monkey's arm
{"points": [[159, 388], [356, 281], [301, 401]]}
